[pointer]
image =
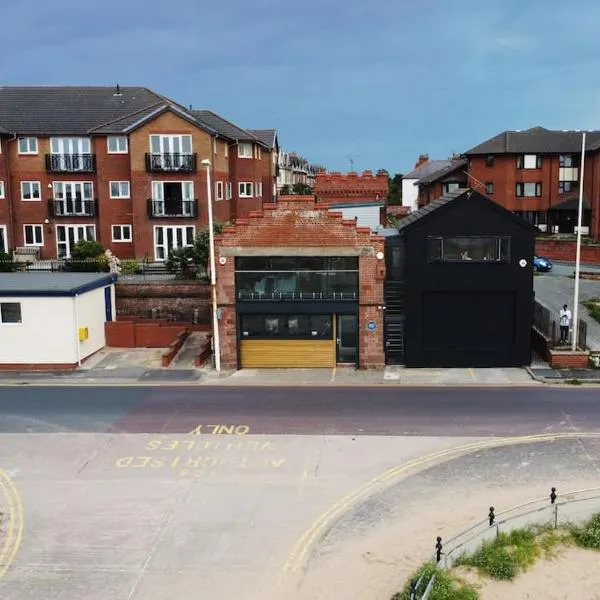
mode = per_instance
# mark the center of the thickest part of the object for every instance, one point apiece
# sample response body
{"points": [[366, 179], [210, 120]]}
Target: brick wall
{"points": [[566, 249], [300, 222], [351, 187], [137, 334], [169, 297]]}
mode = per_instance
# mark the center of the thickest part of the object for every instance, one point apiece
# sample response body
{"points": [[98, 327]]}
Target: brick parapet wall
{"points": [[564, 250], [338, 187], [299, 222]]}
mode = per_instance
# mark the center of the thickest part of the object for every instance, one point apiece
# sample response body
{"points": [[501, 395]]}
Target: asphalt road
{"points": [[567, 269], [310, 410]]}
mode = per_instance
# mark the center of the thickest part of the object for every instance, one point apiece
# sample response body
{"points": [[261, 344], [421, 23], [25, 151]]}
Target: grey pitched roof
{"points": [[454, 165], [52, 284], [223, 126], [427, 168], [70, 110], [452, 196], [537, 140], [266, 136]]}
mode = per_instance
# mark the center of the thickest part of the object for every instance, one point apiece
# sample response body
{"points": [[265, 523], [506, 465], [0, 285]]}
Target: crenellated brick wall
{"points": [[351, 187], [303, 224]]}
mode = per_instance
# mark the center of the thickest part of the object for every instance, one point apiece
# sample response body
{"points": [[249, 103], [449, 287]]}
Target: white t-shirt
{"points": [[565, 317]]}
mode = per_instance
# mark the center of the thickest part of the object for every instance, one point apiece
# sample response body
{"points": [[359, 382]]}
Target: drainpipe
{"points": [[77, 331], [8, 192]]}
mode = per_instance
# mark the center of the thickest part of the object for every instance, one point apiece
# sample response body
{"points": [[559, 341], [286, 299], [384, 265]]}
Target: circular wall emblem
{"points": [[522, 263], [379, 256], [371, 326], [222, 260]]}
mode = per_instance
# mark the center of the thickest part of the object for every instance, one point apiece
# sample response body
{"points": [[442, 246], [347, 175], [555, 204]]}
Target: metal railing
{"points": [[297, 296], [547, 325], [69, 163], [130, 271], [573, 508], [176, 208], [172, 161], [73, 207]]}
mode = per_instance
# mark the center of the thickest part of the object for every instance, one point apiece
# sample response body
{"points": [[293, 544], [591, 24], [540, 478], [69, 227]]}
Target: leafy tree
{"points": [[285, 190], [302, 189], [395, 189], [7, 265]]}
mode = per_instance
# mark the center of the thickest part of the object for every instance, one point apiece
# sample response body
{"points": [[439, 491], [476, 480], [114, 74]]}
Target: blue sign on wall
{"points": [[371, 326]]}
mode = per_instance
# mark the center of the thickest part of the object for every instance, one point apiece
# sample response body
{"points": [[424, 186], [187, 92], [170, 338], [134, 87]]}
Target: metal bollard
{"points": [[438, 549], [491, 516]]}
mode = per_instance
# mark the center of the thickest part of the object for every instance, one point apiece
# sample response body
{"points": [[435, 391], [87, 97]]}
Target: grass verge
{"points": [[593, 306], [588, 534], [447, 586]]}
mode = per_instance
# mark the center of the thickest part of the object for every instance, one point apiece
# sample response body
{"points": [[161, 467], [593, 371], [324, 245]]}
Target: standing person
{"points": [[564, 320]]}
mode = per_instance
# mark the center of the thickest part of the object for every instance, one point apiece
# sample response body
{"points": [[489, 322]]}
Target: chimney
{"points": [[423, 158]]}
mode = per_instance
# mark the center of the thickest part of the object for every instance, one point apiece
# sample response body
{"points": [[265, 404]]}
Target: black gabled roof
{"points": [[450, 197], [454, 165], [70, 110], [537, 140], [223, 126]]}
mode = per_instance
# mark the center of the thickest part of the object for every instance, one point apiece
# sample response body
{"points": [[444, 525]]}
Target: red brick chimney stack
{"points": [[423, 158]]}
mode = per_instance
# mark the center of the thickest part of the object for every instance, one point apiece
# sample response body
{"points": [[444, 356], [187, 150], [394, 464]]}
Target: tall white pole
{"points": [[213, 272], [578, 253]]}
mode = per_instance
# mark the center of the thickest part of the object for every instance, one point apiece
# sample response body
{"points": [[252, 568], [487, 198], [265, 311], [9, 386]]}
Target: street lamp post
{"points": [[574, 324], [213, 272]]}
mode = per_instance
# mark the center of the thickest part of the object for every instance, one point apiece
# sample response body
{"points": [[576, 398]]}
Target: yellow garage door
{"points": [[262, 354]]}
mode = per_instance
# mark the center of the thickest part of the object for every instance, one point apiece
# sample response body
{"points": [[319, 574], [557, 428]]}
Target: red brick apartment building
{"points": [[123, 166], [534, 173]]}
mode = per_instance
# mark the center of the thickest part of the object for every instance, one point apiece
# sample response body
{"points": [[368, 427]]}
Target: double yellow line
{"points": [[327, 519], [11, 522]]}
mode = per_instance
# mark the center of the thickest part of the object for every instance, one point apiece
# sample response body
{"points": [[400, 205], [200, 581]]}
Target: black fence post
{"points": [[553, 495], [492, 516], [553, 502], [438, 549]]}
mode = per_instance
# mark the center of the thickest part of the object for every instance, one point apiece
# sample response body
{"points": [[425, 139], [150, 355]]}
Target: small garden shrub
{"points": [[130, 267], [446, 586], [588, 535]]}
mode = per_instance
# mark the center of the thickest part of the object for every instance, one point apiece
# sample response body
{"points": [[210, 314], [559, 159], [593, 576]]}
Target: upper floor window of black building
{"points": [[529, 161], [490, 159], [489, 187], [528, 190], [486, 249]]}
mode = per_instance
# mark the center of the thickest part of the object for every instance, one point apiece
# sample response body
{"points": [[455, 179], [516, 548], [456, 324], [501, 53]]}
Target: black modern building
{"points": [[459, 286]]}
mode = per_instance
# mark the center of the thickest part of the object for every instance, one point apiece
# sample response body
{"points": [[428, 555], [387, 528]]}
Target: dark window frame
{"points": [[5, 308], [562, 186], [502, 242], [489, 187], [521, 161], [520, 189], [322, 324], [490, 160]]}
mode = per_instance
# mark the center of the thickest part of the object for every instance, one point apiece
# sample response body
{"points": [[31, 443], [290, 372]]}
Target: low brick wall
{"points": [[174, 348], [141, 334], [166, 297], [564, 359], [205, 352], [565, 250]]}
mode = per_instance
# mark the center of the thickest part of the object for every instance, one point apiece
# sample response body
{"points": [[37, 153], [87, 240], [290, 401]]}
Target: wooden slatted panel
{"points": [[258, 354]]}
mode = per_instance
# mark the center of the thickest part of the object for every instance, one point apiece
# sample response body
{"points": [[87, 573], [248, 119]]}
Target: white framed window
{"points": [[117, 144], [171, 144], [244, 150], [119, 189], [529, 161], [121, 233], [33, 235], [257, 152], [30, 191], [28, 145], [226, 153], [1, 190], [70, 145], [10, 312], [219, 191], [169, 237], [68, 235], [245, 189], [3, 239]]}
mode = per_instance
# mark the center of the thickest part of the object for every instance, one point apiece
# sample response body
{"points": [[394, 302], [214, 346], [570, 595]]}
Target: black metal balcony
{"points": [[73, 208], [71, 163], [170, 163], [172, 208]]}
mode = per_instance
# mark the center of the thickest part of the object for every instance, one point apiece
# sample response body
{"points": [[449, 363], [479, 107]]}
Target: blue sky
{"points": [[379, 81]]}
